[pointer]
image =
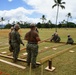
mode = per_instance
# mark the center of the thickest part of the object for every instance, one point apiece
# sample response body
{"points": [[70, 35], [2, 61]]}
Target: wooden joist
{"points": [[59, 42], [13, 64], [10, 57], [43, 40], [43, 60], [19, 59]]}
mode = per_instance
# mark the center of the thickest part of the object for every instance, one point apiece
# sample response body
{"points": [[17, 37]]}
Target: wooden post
{"points": [[41, 69], [50, 64], [50, 67]]}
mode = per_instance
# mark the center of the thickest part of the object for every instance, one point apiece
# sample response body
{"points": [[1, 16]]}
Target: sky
{"points": [[32, 10]]}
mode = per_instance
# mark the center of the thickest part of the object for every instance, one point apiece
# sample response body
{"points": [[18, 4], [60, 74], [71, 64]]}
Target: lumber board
{"points": [[10, 57], [59, 42], [43, 60], [43, 40], [3, 45], [3, 48], [19, 59], [13, 64]]}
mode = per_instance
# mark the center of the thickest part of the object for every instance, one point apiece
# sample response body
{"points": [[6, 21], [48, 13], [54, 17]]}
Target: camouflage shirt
{"points": [[15, 37]]}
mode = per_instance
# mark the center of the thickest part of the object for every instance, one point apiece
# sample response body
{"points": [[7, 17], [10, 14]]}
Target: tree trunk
{"points": [[56, 18]]}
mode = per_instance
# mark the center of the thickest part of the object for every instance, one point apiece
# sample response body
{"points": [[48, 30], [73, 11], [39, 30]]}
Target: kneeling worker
{"points": [[70, 40]]}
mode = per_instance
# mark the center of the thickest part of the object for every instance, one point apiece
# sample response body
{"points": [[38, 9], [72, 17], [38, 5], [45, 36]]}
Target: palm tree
{"points": [[68, 16], [43, 19], [49, 23], [58, 3], [2, 19], [13, 23], [8, 21]]}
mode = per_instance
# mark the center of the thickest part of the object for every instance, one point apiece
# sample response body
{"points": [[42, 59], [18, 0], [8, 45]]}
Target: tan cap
{"points": [[17, 26], [12, 28], [32, 25]]}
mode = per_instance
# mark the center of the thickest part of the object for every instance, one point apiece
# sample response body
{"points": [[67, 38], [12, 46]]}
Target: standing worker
{"points": [[32, 38], [15, 42], [10, 47]]}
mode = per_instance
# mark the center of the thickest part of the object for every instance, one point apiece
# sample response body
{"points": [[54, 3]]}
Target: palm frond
{"points": [[55, 1], [63, 7], [54, 5], [63, 3]]}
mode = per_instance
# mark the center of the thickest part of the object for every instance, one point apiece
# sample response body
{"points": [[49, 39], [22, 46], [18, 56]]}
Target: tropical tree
{"points": [[8, 21], [49, 22], [58, 3], [43, 19], [13, 23], [63, 22], [68, 16], [2, 19]]}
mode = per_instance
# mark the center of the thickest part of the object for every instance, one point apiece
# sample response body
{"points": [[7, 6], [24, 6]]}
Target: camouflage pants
{"points": [[70, 41], [32, 50], [16, 50]]}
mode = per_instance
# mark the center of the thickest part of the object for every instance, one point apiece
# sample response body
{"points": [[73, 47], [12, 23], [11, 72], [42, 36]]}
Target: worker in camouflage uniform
{"points": [[16, 41], [10, 46], [32, 38], [55, 38], [70, 40], [12, 28]]}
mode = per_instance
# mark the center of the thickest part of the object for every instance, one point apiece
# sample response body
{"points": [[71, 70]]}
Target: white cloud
{"points": [[43, 7], [10, 0], [19, 14]]}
